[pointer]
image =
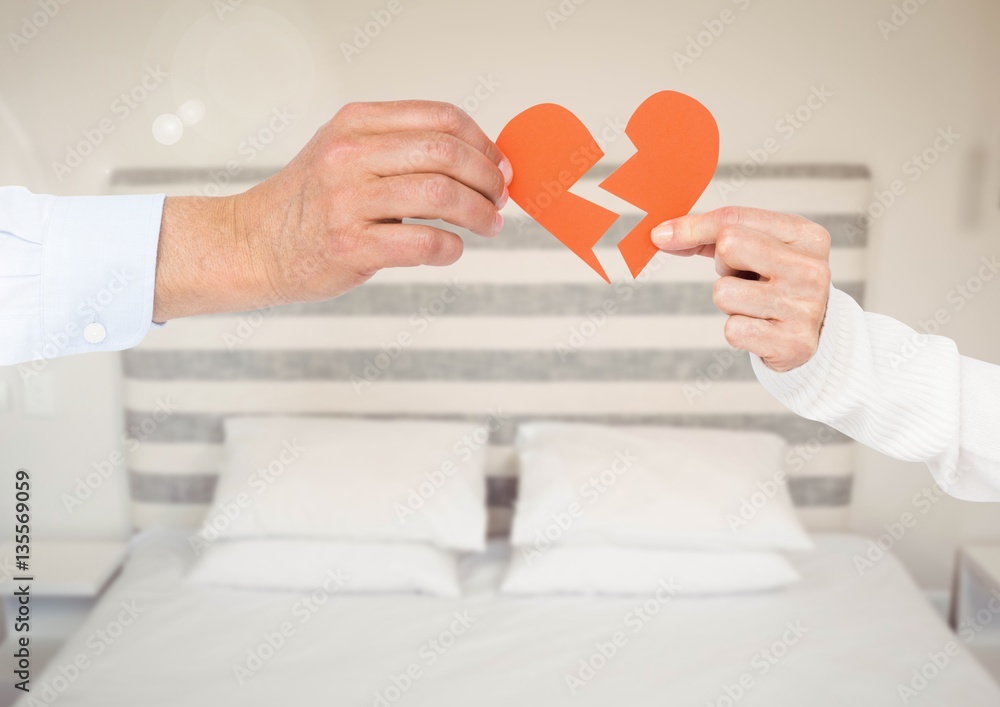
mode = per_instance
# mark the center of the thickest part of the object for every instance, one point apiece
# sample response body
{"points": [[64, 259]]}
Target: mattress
{"points": [[835, 638]]}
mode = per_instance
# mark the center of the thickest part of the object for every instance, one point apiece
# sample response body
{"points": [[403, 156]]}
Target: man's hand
{"points": [[774, 277], [332, 218]]}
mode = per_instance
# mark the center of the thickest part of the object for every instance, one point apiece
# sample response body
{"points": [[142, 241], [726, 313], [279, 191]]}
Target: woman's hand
{"points": [[774, 277]]}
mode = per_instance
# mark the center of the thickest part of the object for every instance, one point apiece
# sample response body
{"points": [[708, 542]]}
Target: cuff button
{"points": [[94, 333]]}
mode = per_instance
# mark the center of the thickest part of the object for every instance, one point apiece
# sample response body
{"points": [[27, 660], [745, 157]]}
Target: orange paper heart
{"points": [[550, 150], [677, 152]]}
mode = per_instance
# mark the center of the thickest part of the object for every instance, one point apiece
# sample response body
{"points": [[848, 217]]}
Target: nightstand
{"points": [[975, 608], [69, 577]]}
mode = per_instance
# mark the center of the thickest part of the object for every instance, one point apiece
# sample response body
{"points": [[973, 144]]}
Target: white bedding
{"points": [[863, 636]]}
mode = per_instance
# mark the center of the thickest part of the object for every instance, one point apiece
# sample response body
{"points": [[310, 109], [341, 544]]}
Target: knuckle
{"points": [[439, 190], [819, 239], [338, 150], [448, 118], [441, 150], [352, 110], [820, 274], [427, 246], [493, 153], [729, 215], [727, 241], [777, 307], [822, 236], [720, 292], [735, 332]]}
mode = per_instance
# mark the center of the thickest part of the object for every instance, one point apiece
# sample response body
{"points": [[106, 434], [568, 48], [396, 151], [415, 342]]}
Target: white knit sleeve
{"points": [[905, 394]]}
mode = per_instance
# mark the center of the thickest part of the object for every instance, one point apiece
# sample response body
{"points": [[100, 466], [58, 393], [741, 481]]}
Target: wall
{"points": [[890, 96], [60, 451]]}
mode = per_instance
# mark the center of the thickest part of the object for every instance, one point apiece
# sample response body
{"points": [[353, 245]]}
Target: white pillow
{"points": [[352, 479], [627, 570], [329, 565], [653, 487]]}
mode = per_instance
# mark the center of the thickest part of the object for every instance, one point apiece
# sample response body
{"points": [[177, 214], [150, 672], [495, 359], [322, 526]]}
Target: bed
{"points": [[510, 328], [835, 638]]}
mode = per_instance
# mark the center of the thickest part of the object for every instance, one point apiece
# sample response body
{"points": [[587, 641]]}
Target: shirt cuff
{"points": [[99, 273]]}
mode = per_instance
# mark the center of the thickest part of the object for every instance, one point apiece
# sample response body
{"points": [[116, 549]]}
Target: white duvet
{"points": [[836, 638]]}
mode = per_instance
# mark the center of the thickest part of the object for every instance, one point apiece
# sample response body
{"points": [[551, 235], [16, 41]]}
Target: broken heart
{"points": [[677, 150]]}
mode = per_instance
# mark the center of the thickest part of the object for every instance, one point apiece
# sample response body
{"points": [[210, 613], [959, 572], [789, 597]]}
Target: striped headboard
{"points": [[519, 324]]}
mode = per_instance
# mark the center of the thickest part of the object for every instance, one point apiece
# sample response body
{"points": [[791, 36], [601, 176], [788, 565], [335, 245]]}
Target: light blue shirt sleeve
{"points": [[77, 274]]}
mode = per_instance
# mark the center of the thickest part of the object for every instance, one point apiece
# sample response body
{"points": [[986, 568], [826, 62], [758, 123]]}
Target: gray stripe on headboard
{"points": [[206, 428], [538, 300], [438, 366], [139, 176], [821, 490], [172, 488], [501, 492]]}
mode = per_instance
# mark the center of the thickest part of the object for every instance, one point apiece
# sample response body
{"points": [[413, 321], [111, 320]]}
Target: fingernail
{"points": [[504, 198], [498, 225], [507, 169], [662, 235]]}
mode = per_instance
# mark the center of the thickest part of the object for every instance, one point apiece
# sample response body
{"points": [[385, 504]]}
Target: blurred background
{"points": [[166, 84]]}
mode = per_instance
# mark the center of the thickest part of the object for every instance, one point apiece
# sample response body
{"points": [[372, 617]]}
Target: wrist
{"points": [[203, 261]]}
